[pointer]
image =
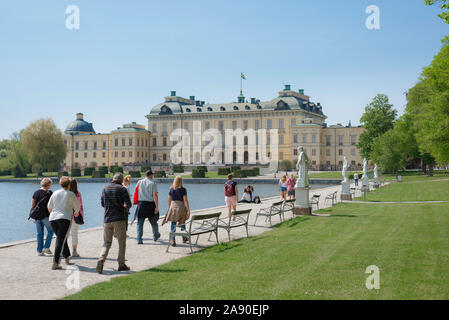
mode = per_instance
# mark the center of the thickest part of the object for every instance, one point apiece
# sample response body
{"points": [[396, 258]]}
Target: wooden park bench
{"points": [[315, 200], [198, 224], [331, 197], [275, 209], [237, 219]]}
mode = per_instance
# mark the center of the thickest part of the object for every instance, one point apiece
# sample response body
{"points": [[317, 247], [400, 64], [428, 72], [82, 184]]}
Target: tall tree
{"points": [[396, 148], [444, 5], [44, 144], [428, 103], [377, 119], [18, 158]]}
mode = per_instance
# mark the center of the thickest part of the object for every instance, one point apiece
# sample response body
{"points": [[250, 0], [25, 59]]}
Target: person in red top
{"points": [[231, 194], [291, 182]]}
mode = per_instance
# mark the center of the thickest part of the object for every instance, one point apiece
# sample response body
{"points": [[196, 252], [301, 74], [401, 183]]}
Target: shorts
{"points": [[231, 201], [291, 193], [283, 189]]}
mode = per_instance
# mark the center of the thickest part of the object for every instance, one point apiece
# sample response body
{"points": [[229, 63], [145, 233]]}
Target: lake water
{"points": [[15, 202]]}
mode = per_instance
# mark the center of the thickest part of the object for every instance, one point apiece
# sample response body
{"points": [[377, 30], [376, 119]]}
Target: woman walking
{"points": [[283, 187], [179, 209], [74, 228], [62, 206], [40, 199], [291, 182]]}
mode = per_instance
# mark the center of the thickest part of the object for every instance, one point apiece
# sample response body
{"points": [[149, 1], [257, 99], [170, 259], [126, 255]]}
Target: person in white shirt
{"points": [[62, 206]]}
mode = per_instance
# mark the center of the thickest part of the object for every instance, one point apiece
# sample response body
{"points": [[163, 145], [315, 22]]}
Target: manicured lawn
{"points": [[210, 175], [423, 189], [311, 258]]}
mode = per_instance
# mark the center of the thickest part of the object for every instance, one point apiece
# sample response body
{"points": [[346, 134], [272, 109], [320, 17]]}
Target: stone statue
{"points": [[365, 168], [302, 165], [171, 170], [345, 170], [376, 173]]}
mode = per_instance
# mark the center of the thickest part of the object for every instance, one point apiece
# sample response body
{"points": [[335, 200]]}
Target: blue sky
{"points": [[128, 55]]}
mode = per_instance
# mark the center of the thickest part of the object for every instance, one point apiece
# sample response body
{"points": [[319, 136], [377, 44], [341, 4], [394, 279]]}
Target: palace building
{"points": [[128, 145], [299, 121]]}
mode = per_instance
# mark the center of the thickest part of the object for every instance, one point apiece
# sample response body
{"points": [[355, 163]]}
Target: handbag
{"points": [[36, 211], [79, 220]]}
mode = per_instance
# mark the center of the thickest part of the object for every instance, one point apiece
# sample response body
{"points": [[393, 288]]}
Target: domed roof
{"points": [[79, 126]]}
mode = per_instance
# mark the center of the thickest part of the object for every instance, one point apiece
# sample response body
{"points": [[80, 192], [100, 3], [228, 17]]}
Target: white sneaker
{"points": [[40, 254], [47, 251]]}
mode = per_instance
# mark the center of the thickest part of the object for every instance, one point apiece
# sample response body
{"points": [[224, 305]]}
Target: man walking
{"points": [[146, 197], [231, 194], [116, 203]]}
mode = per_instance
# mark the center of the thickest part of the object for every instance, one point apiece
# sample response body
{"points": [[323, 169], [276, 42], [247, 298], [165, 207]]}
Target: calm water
{"points": [[15, 202]]}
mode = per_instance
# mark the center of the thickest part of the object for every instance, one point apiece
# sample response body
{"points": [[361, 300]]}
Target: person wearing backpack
{"points": [[39, 212], [231, 194]]}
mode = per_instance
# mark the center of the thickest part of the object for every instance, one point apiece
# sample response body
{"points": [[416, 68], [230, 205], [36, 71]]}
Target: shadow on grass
{"points": [[161, 270], [343, 216], [225, 246]]}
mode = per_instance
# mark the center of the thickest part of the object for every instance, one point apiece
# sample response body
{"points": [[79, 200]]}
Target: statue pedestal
{"points": [[302, 206], [365, 183], [376, 183], [346, 191]]}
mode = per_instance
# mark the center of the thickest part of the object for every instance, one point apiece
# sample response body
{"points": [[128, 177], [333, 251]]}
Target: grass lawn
{"points": [[311, 258], [423, 189]]}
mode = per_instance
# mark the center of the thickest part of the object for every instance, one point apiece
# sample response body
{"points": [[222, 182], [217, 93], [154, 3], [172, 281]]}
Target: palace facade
{"points": [[125, 146], [299, 121]]}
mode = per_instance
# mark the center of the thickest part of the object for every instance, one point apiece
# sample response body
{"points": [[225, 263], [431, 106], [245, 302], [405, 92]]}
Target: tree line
{"points": [[38, 148], [421, 135]]}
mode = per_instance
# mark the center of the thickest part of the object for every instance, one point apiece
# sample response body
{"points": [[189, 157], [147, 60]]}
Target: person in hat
{"points": [[146, 198]]}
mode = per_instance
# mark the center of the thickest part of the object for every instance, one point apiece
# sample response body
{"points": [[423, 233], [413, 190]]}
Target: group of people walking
{"points": [[58, 210]]}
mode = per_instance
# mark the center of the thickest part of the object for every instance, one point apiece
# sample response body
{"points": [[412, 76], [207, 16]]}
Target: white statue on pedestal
{"points": [[345, 170], [376, 175], [302, 166], [365, 168]]}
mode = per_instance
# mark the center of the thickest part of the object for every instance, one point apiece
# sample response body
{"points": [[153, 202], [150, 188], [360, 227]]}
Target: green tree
{"points": [[18, 158], [396, 148], [377, 119], [428, 104], [43, 142], [444, 5]]}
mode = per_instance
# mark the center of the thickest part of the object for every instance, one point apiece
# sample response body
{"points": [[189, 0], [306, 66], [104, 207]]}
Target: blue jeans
{"points": [[173, 228], [155, 227], [40, 224]]}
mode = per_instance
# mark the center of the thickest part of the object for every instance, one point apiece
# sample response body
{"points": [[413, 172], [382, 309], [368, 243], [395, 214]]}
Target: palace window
{"points": [[130, 154], [328, 152], [154, 157], [304, 138], [85, 154], [116, 154], [95, 154], [353, 140], [295, 138], [340, 140], [95, 145], [77, 145], [245, 124], [269, 123], [281, 139], [352, 152], [313, 138], [86, 145], [154, 142], [116, 142], [104, 154], [154, 127], [76, 154], [164, 142], [207, 125], [123, 142], [123, 154], [164, 157], [328, 140], [256, 124], [234, 125], [313, 152], [340, 152], [281, 123], [104, 144]]}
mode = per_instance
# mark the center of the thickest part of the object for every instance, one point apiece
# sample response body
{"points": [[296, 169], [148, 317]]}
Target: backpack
{"points": [[229, 189]]}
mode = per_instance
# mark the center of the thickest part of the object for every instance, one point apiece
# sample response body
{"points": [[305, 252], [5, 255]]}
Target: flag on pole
{"points": [[243, 76]]}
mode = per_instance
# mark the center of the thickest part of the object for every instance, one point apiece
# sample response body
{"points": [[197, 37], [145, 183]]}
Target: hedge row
{"points": [[160, 174], [135, 174]]}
